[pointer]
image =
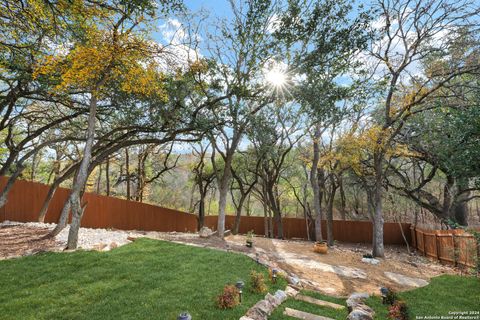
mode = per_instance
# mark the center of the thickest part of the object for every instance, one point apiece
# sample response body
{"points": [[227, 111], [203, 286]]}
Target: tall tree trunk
{"points": [[447, 198], [191, 207], [107, 177], [317, 208], [378, 250], [82, 176], [371, 213], [271, 233], [34, 165], [333, 190], [223, 193], [460, 207], [48, 198], [9, 185], [265, 220], [212, 195], [342, 198], [201, 209], [99, 178], [238, 214], [127, 172], [274, 206]]}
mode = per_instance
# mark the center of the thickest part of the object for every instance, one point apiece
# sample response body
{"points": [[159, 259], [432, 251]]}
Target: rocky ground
{"points": [[19, 239], [339, 272]]}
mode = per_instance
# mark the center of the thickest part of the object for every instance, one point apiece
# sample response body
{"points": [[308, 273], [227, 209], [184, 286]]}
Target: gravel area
{"points": [[88, 239]]}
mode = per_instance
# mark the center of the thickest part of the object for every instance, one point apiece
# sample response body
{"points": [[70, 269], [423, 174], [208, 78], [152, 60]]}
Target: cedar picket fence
{"points": [[26, 198], [456, 247]]}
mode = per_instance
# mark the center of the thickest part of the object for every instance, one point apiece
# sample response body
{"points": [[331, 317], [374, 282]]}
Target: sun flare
{"points": [[276, 77]]}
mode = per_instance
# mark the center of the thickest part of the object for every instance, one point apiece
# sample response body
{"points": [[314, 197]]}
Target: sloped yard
{"points": [[445, 296], [147, 279]]}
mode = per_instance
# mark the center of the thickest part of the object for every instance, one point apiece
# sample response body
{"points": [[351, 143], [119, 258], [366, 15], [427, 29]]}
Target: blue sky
{"points": [[218, 7]]}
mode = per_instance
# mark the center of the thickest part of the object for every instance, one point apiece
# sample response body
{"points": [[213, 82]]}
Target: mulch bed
{"points": [[18, 240]]}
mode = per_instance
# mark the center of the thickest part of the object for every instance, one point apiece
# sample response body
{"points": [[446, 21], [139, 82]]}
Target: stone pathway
{"points": [[319, 302], [406, 281]]}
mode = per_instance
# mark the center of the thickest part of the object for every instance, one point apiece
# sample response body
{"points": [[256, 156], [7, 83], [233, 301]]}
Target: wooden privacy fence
{"points": [[343, 230], [26, 199], [455, 247]]}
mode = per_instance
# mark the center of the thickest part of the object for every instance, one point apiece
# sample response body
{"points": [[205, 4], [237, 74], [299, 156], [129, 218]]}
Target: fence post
{"points": [[436, 247]]}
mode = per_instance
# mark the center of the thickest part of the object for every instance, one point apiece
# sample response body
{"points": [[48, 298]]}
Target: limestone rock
{"points": [[371, 261], [281, 295], [260, 311], [272, 300], [291, 291], [245, 318], [100, 246], [357, 307], [205, 232], [293, 280], [356, 299], [113, 245], [406, 281], [359, 314]]}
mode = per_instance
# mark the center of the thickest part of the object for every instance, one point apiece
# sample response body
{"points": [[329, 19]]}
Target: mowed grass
{"points": [[147, 279], [445, 294]]}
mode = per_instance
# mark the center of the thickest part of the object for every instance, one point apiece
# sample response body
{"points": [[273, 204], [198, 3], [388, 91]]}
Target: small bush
{"points": [[391, 297], [398, 311], [257, 282], [229, 298]]}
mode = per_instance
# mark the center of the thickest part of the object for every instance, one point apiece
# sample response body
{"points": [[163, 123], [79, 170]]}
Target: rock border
{"points": [[264, 308], [358, 309]]}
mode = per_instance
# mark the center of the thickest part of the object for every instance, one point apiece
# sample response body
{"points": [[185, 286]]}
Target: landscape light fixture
{"points": [[274, 275], [257, 258], [384, 293], [239, 285], [184, 316]]}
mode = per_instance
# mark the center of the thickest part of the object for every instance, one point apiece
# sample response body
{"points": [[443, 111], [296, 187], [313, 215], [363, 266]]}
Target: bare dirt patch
{"points": [[19, 240], [339, 273]]}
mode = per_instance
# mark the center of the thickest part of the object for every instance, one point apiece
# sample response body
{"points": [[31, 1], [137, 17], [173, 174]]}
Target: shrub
{"points": [[229, 298], [257, 282], [398, 311]]}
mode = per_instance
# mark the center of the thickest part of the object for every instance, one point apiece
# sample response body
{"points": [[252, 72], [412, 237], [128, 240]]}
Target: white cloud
{"points": [[180, 45]]}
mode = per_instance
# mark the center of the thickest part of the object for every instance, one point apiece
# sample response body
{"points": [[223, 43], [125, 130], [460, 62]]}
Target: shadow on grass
{"points": [[147, 279]]}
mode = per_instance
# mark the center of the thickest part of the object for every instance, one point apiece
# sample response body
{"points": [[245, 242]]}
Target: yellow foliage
{"points": [[403, 103], [355, 148], [106, 56]]}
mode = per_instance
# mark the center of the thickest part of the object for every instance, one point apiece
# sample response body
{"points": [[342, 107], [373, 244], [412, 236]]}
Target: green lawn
{"points": [[147, 279], [152, 279], [444, 294]]}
